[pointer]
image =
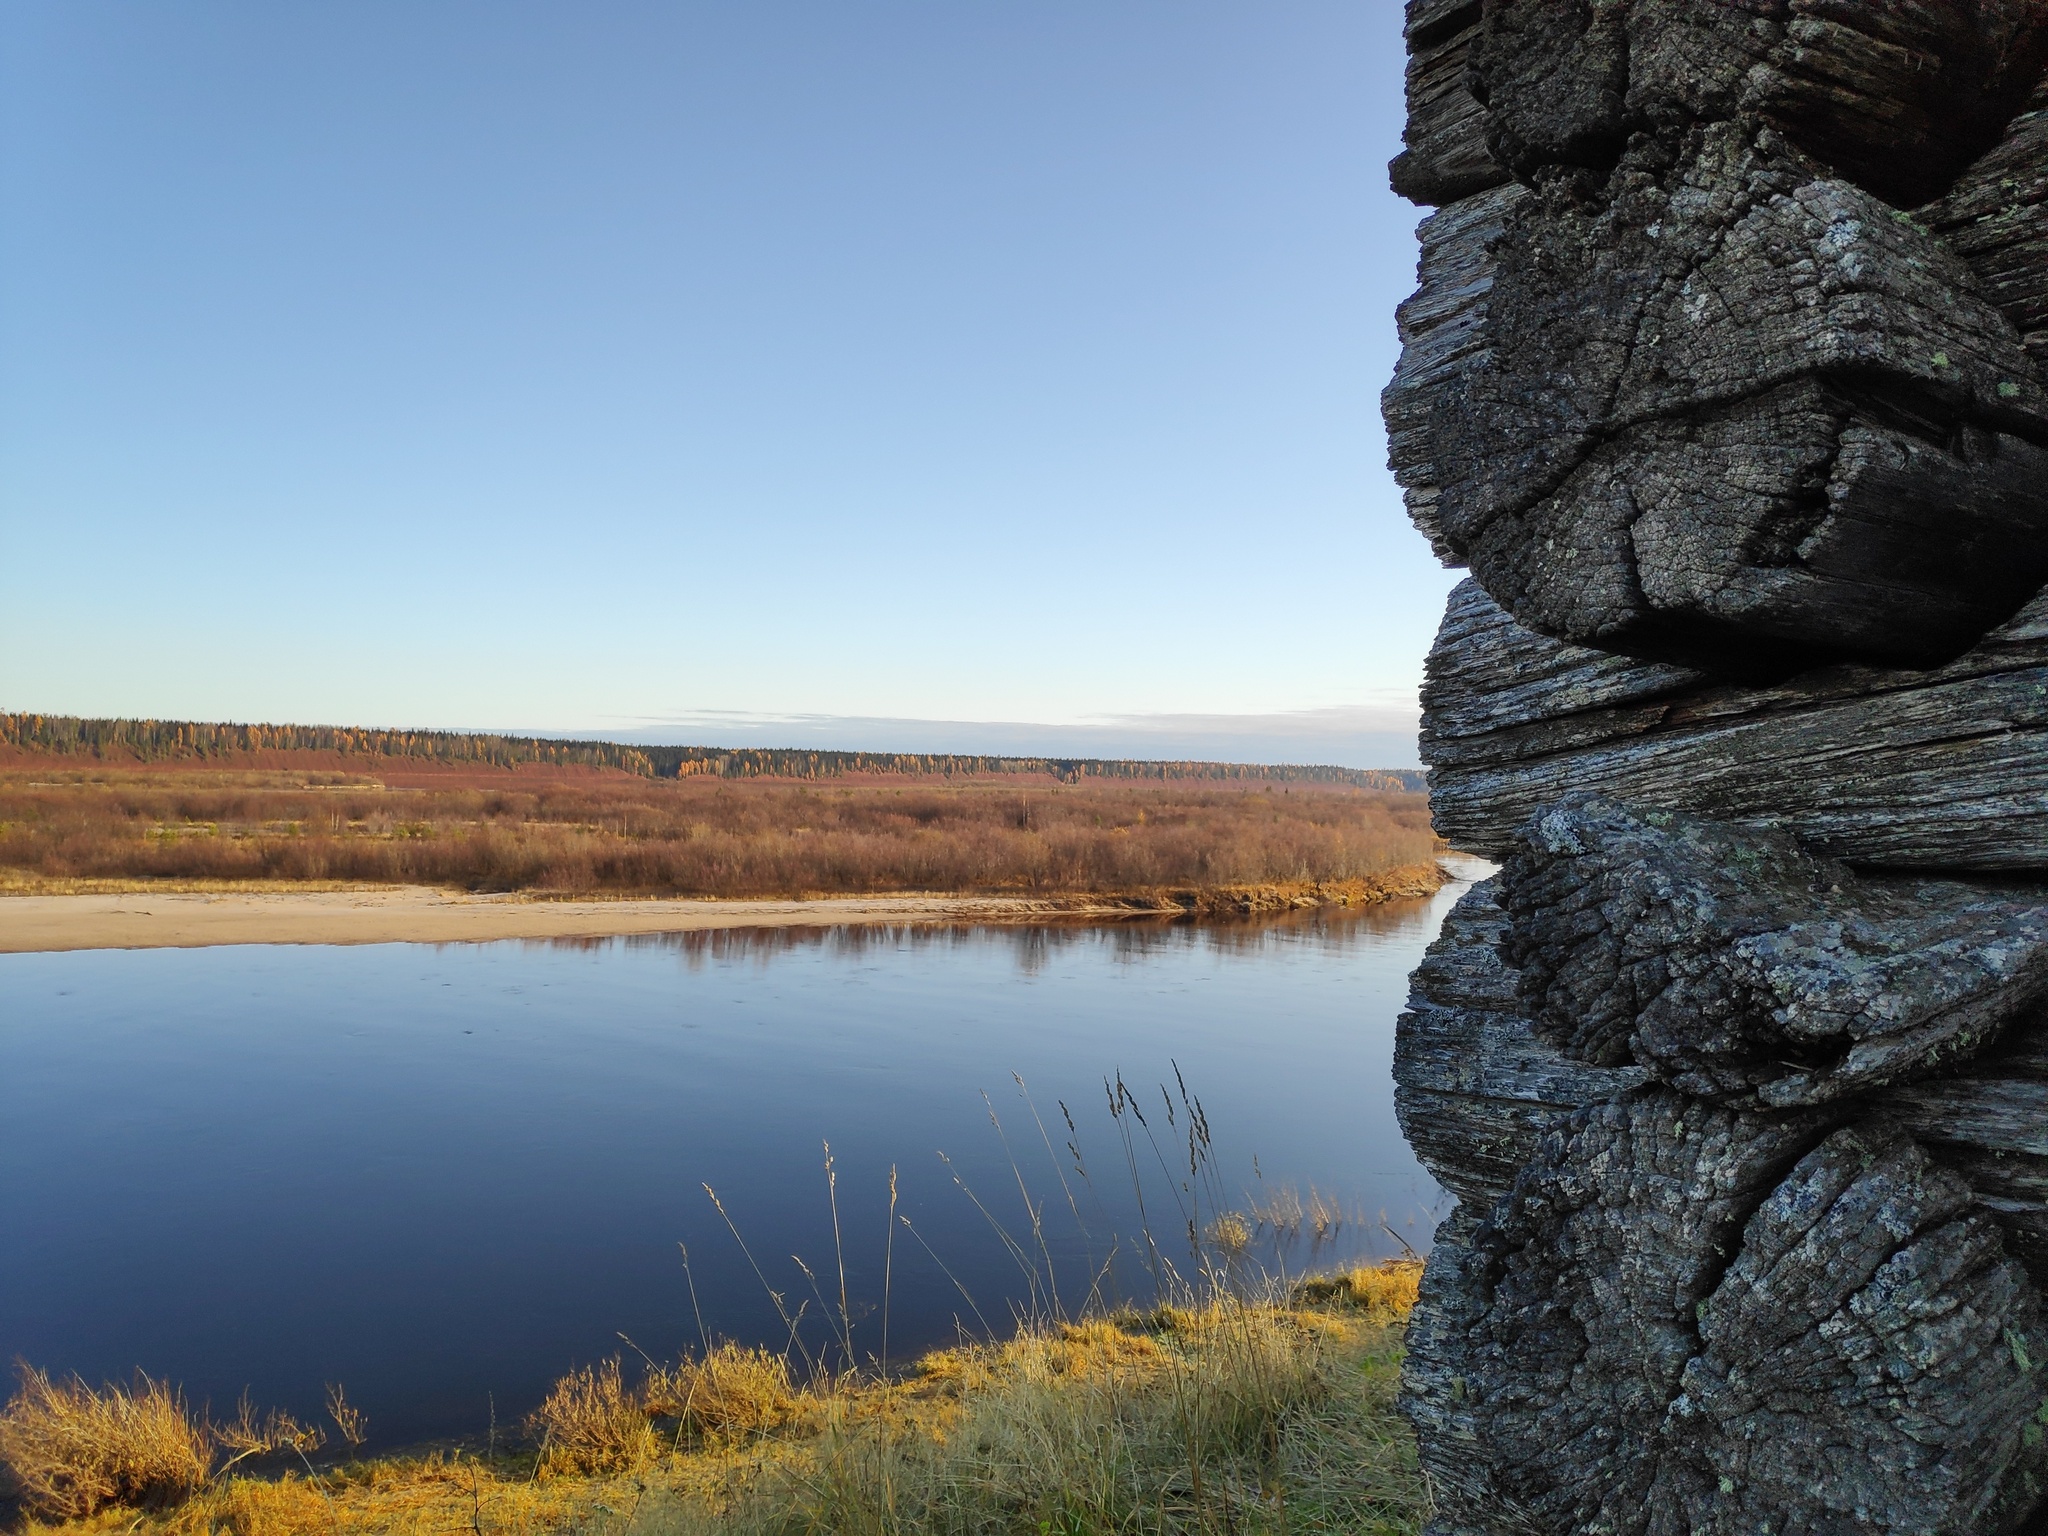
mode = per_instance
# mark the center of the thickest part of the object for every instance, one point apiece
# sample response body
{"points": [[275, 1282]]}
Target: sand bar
{"points": [[418, 914]]}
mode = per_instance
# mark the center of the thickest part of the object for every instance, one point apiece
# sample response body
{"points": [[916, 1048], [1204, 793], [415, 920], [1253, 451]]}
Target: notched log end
{"points": [[1734, 965], [1684, 1319], [1446, 156]]}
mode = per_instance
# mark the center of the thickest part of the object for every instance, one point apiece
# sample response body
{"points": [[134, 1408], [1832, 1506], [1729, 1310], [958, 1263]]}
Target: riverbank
{"points": [[1252, 1416], [592, 836], [34, 918]]}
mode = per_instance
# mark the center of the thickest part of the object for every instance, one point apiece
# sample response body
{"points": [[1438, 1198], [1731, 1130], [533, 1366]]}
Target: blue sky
{"points": [[715, 371]]}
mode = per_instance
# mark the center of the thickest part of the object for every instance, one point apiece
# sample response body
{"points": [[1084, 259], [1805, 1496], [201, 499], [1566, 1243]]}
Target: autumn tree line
{"points": [[202, 742]]}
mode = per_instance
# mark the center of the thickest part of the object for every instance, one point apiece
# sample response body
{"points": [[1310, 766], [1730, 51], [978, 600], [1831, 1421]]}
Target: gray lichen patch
{"points": [[1867, 1361]]}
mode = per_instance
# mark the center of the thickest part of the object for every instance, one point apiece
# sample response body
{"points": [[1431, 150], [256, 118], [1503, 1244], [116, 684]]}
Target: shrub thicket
{"points": [[707, 838]]}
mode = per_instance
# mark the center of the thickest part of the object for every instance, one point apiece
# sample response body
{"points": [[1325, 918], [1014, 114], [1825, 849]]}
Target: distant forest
{"points": [[149, 741]]}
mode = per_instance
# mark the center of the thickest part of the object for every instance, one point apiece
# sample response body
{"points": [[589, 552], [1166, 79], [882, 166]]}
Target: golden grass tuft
{"points": [[732, 1392], [1231, 1233], [71, 1449], [591, 1424], [1385, 1290], [1095, 1347]]}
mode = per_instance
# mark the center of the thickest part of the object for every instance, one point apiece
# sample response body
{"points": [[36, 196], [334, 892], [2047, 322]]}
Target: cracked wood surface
{"points": [[1477, 1084], [1736, 966], [1693, 387], [1685, 1318], [1723, 378], [1937, 769]]}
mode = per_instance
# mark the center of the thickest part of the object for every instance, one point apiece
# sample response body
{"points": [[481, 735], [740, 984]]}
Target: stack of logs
{"points": [[1725, 382]]}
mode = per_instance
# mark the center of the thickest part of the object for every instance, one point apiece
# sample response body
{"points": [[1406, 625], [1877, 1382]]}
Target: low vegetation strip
{"points": [[1259, 1415], [196, 741], [1192, 845]]}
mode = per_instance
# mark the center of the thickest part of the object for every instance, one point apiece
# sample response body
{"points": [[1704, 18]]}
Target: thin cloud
{"points": [[1376, 735]]}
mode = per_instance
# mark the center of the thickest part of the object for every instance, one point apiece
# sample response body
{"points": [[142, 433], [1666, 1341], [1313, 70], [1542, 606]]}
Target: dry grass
{"points": [[1380, 1290], [1283, 1212], [592, 1424], [24, 882], [1231, 1234], [732, 1393], [1225, 1416], [72, 1449], [620, 834]]}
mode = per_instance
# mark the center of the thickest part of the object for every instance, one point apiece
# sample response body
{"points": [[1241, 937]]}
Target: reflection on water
{"points": [[1330, 930], [444, 1174]]}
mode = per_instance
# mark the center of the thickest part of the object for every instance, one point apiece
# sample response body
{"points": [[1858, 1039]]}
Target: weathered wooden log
{"points": [[1687, 1319], [1867, 1361], [1580, 1302], [1941, 769], [1738, 1068], [1705, 394], [1442, 329], [1477, 1085], [1896, 97], [1436, 1395], [1899, 96], [1736, 966], [1739, 411], [1996, 218], [1446, 156], [1479, 1088], [1989, 1123]]}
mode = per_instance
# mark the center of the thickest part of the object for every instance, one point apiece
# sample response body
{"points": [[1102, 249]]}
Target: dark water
{"points": [[444, 1175]]}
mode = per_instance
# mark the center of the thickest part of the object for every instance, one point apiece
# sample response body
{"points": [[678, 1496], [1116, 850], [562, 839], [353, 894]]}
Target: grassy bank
{"points": [[1195, 845], [1266, 1415]]}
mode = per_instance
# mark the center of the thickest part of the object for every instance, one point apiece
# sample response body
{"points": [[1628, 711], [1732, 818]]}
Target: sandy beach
{"points": [[417, 914]]}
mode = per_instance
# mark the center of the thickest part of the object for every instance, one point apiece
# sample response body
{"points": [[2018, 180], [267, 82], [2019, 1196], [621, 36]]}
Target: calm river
{"points": [[442, 1176]]}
